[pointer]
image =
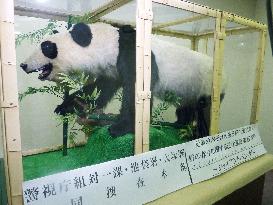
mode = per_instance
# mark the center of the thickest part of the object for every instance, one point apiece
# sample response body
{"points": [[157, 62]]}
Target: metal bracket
{"points": [[9, 63], [5, 104], [146, 15], [144, 95]]}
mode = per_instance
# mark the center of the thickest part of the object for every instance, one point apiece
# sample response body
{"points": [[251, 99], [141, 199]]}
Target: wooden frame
{"points": [[9, 102], [180, 21]]}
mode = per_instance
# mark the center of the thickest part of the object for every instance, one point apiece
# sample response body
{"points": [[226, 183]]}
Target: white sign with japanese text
{"points": [[139, 179]]}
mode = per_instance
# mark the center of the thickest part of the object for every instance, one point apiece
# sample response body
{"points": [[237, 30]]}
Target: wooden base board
{"points": [[50, 149]]}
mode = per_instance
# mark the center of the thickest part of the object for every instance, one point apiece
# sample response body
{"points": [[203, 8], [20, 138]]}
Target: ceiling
{"points": [[65, 6]]}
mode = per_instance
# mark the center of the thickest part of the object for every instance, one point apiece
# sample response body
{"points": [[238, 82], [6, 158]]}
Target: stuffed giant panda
{"points": [[108, 54]]}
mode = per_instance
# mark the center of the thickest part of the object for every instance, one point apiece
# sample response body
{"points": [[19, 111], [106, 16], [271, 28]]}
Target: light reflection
{"points": [[242, 44]]}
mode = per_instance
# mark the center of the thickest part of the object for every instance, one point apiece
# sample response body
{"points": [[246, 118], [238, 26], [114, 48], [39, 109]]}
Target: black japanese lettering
{"points": [[79, 182], [111, 192], [49, 190], [117, 171], [31, 194]]}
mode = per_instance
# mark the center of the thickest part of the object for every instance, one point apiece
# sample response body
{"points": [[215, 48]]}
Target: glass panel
{"points": [[240, 56], [94, 125], [163, 14], [198, 26], [126, 13], [184, 77]]}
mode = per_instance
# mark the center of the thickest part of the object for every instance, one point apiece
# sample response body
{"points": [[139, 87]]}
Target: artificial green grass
{"points": [[99, 148]]}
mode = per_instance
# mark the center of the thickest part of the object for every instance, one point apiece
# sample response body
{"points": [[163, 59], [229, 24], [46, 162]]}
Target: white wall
{"points": [[38, 125]]}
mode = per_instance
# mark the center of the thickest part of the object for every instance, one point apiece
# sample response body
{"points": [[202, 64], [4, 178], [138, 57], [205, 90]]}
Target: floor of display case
{"points": [[99, 148]]}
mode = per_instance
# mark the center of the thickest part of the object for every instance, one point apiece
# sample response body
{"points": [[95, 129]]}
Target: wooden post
{"points": [[189, 6], [147, 74], [219, 36], [206, 45], [229, 32], [143, 75], [9, 105], [244, 21], [258, 80], [172, 33], [139, 76]]}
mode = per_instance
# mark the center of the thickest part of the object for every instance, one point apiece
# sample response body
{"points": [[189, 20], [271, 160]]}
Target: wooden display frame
{"points": [[144, 17]]}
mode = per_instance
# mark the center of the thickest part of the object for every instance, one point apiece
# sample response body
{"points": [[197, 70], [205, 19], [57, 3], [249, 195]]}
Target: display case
{"points": [[199, 30]]}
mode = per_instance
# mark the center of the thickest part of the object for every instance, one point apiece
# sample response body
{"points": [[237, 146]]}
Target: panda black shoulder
{"points": [[81, 34], [127, 29], [127, 37]]}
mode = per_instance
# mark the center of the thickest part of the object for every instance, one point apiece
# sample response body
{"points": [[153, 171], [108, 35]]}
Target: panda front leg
{"points": [[185, 115], [107, 87]]}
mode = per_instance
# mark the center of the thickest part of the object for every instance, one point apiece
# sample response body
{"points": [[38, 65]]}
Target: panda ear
{"points": [[81, 34], [49, 49]]}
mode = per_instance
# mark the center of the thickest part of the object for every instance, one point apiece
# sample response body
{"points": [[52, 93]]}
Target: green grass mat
{"points": [[100, 148]]}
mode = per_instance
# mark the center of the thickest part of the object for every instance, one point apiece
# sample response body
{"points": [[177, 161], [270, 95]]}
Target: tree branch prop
{"points": [[270, 21]]}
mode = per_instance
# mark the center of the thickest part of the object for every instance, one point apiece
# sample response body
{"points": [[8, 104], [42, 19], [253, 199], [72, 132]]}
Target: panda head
{"points": [[50, 56]]}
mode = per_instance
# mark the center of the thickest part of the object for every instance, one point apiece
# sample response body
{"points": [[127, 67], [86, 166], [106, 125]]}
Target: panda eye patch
{"points": [[49, 49]]}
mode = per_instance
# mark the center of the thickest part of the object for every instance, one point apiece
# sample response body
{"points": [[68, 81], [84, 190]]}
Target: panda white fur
{"points": [[107, 53]]}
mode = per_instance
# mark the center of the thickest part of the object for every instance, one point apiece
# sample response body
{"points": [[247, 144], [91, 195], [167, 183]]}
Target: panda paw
{"points": [[60, 110], [120, 129]]}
